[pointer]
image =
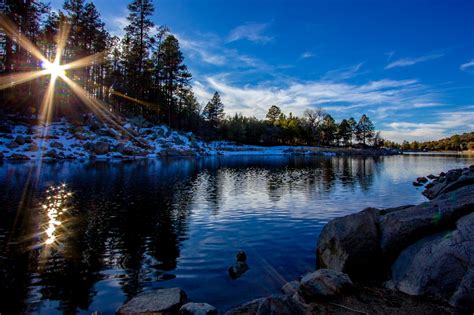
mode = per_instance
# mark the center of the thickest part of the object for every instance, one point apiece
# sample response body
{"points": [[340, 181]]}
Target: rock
{"points": [[431, 176], [241, 256], [440, 265], [417, 184], [13, 145], [1, 156], [422, 180], [56, 145], [20, 139], [197, 309], [101, 147], [401, 228], [271, 305], [291, 287], [350, 244], [161, 301], [324, 284], [52, 154], [32, 148], [238, 270], [5, 128], [28, 139], [17, 156]]}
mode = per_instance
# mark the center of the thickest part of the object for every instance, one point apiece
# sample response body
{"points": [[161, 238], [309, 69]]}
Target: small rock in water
{"points": [[20, 140], [422, 180], [238, 270], [197, 309], [241, 256], [417, 184]]}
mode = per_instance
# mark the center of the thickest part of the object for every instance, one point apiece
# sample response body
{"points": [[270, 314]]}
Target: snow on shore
{"points": [[134, 138]]}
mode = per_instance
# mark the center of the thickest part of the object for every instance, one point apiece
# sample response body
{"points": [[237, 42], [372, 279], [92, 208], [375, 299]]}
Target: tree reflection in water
{"points": [[129, 220]]}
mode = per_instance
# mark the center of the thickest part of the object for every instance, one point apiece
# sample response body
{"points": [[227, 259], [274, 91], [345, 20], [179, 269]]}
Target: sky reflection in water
{"points": [[137, 226]]}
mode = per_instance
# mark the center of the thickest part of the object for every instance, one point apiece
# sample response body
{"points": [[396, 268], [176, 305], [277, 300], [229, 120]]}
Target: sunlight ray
{"points": [[11, 80]]}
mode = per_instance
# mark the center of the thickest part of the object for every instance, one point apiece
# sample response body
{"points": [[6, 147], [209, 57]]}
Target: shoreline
{"points": [[94, 140]]}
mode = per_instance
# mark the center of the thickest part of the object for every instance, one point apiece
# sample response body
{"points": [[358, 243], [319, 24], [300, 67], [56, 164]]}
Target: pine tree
{"points": [[273, 114], [137, 42], [365, 130], [344, 132], [214, 110], [172, 74]]}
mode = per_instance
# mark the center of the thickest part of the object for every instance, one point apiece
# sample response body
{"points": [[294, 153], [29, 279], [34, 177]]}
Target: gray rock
{"points": [[291, 287], [197, 309], [13, 145], [324, 284], [440, 265], [20, 139], [101, 147], [350, 244], [401, 228], [162, 301], [56, 145]]}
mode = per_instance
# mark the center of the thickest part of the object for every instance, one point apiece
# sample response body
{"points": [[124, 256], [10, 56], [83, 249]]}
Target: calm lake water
{"points": [[129, 227]]}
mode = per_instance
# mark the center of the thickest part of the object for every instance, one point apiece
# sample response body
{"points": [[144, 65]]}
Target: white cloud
{"points": [[306, 55], [444, 124], [343, 73], [250, 31], [466, 66], [404, 62], [381, 97]]}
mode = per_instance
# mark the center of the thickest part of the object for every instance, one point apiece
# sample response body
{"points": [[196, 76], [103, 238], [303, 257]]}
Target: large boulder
{"points": [[324, 284], [399, 229], [161, 301], [439, 265], [197, 309], [350, 244]]}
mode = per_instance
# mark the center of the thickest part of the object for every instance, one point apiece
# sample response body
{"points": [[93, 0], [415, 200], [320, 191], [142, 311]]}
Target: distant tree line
{"points": [[462, 142], [143, 73]]}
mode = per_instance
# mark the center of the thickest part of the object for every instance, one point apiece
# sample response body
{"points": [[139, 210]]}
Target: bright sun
{"points": [[55, 69]]}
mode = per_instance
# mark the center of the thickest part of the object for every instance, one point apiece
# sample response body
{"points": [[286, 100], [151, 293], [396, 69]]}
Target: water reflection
{"points": [[55, 208], [135, 226]]}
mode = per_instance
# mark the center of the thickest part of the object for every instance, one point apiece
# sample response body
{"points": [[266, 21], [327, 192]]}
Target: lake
{"points": [[120, 228]]}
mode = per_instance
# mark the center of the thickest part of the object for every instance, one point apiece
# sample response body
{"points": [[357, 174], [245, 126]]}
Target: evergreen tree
{"points": [[273, 114], [344, 132], [214, 110], [365, 130], [173, 75]]}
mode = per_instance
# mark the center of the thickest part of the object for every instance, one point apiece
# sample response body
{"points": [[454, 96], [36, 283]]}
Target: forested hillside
{"points": [[143, 73]]}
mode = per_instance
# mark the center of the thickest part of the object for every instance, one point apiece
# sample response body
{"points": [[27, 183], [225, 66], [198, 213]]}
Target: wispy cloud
{"points": [[250, 31], [306, 55], [445, 124], [343, 73], [467, 66], [404, 62], [296, 96]]}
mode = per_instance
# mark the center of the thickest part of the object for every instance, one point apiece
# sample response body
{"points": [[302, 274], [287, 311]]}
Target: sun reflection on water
{"points": [[55, 207]]}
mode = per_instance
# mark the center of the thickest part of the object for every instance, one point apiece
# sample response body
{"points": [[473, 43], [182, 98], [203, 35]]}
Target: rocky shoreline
{"points": [[88, 138], [415, 259]]}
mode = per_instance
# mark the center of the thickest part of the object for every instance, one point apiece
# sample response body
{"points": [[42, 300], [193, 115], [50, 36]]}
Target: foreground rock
{"points": [[324, 284], [162, 301], [420, 250], [197, 309]]}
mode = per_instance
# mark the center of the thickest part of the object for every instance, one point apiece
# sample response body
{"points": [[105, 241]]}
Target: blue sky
{"points": [[408, 64]]}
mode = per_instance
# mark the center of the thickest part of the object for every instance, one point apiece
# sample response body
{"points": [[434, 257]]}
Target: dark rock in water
{"points": [[271, 305], [241, 256], [166, 277], [20, 139], [324, 284], [431, 176], [350, 244], [417, 184], [28, 139], [438, 265], [422, 180], [238, 270], [52, 154], [197, 309], [161, 301], [429, 185]]}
